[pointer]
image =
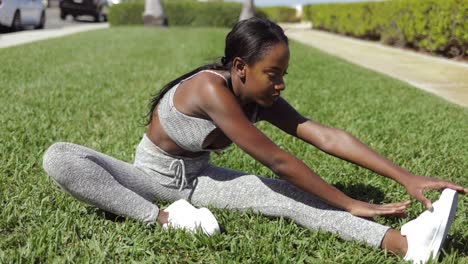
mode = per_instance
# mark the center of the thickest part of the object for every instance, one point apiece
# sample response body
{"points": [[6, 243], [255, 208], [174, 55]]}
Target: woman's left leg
{"points": [[225, 188]]}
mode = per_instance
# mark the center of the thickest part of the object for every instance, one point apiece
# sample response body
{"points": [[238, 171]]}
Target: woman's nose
{"points": [[280, 86]]}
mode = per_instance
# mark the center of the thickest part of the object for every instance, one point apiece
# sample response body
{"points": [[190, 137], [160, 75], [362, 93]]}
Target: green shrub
{"points": [[189, 13], [180, 13], [432, 25], [281, 14], [126, 14]]}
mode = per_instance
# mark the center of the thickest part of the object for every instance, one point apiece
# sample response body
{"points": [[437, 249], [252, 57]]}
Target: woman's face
{"points": [[264, 79]]}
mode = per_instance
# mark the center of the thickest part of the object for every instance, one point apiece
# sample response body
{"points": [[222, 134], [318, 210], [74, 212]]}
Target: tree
{"points": [[247, 10], [154, 14]]}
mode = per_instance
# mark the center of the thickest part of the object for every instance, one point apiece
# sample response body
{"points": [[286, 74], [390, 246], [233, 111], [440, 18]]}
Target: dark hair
{"points": [[249, 40]]}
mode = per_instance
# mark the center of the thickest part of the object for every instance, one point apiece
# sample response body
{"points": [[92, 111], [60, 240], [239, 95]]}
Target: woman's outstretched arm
{"points": [[221, 106], [345, 146]]}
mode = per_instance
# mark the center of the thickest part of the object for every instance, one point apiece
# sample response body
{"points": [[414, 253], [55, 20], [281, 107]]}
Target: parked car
{"points": [[16, 14], [96, 8]]}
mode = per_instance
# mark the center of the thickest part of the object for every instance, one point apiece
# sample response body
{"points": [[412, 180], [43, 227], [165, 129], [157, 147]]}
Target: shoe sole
{"points": [[448, 202]]}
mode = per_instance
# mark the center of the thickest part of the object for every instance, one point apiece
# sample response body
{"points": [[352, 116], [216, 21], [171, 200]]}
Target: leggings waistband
{"points": [[153, 159]]}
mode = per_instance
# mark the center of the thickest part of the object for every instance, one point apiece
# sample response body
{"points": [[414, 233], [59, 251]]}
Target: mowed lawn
{"points": [[93, 89]]}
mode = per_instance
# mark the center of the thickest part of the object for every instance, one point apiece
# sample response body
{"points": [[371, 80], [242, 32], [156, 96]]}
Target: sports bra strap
{"points": [[219, 74]]}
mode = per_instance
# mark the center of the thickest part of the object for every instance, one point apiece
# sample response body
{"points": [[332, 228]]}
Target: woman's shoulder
{"points": [[209, 82], [214, 77], [204, 90]]}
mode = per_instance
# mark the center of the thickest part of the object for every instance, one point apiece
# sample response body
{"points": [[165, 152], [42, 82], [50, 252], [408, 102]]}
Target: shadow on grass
{"points": [[108, 216], [455, 242], [362, 192], [120, 219]]}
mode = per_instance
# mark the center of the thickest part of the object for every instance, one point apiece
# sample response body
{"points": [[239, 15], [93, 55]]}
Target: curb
{"points": [[23, 37]]}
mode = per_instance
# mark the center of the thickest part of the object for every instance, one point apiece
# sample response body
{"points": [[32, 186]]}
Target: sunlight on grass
{"points": [[94, 88]]}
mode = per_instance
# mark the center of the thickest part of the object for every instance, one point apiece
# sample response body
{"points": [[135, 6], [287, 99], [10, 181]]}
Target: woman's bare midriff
{"points": [[215, 140]]}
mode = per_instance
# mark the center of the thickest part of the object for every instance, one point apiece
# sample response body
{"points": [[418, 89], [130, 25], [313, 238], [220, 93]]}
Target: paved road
{"points": [[53, 20], [54, 27]]}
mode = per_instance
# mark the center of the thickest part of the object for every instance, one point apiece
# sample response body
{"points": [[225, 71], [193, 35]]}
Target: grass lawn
{"points": [[94, 88]]}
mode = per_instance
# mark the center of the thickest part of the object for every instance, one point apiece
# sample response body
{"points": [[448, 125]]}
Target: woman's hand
{"points": [[416, 186], [363, 209]]}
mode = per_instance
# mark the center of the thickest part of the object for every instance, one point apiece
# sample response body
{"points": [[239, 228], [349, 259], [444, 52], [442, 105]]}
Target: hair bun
{"points": [[224, 60]]}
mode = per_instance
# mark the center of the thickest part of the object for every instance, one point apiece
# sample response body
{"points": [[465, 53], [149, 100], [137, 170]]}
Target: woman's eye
{"points": [[276, 76], [273, 75]]}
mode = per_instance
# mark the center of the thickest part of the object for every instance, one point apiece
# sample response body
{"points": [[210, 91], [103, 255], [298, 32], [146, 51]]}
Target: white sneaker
{"points": [[184, 215], [209, 224], [427, 232]]}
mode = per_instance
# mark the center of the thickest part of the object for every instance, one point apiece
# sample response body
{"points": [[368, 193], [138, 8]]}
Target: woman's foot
{"points": [[426, 234], [181, 214]]}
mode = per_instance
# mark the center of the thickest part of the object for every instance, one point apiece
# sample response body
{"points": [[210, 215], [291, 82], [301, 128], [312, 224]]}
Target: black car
{"points": [[95, 8]]}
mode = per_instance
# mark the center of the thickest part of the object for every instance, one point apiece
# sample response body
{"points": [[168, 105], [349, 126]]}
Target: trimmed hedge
{"points": [[179, 13], [281, 14], [128, 13], [433, 25]]}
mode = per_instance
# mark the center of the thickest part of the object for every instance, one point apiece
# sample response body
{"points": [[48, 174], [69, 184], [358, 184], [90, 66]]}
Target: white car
{"points": [[16, 14]]}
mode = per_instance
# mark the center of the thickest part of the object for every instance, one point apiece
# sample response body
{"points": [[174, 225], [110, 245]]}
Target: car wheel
{"points": [[63, 15], [16, 25], [42, 21]]}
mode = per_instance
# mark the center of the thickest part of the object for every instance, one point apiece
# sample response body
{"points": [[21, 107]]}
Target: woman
{"points": [[215, 105]]}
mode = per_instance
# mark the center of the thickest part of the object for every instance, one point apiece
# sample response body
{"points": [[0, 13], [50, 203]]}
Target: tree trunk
{"points": [[247, 10], [154, 14]]}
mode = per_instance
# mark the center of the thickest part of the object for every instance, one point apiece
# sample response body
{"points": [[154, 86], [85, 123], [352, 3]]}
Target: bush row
{"points": [[180, 13], [281, 14], [433, 25]]}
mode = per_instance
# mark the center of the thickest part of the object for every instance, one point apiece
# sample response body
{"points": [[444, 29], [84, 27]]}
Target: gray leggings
{"points": [[129, 189]]}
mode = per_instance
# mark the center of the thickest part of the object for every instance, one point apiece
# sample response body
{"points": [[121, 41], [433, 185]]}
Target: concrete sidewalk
{"points": [[443, 77], [22, 37]]}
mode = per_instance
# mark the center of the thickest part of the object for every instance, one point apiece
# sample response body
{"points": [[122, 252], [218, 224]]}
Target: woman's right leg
{"points": [[225, 188], [105, 182]]}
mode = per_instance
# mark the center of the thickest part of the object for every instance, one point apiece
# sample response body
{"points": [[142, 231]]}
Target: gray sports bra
{"points": [[186, 131]]}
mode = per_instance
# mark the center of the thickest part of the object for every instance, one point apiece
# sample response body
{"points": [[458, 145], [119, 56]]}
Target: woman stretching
{"points": [[216, 105]]}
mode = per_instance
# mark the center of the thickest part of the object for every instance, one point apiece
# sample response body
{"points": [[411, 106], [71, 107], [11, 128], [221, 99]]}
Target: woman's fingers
{"points": [[397, 204], [437, 185], [423, 199], [390, 211], [448, 184]]}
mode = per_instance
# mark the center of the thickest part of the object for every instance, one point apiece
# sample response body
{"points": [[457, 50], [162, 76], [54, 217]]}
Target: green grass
{"points": [[93, 89]]}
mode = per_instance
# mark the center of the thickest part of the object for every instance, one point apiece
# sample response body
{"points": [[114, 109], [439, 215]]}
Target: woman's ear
{"points": [[239, 67]]}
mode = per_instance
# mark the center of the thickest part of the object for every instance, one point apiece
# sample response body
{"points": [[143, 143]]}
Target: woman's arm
{"points": [[345, 146], [222, 107]]}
